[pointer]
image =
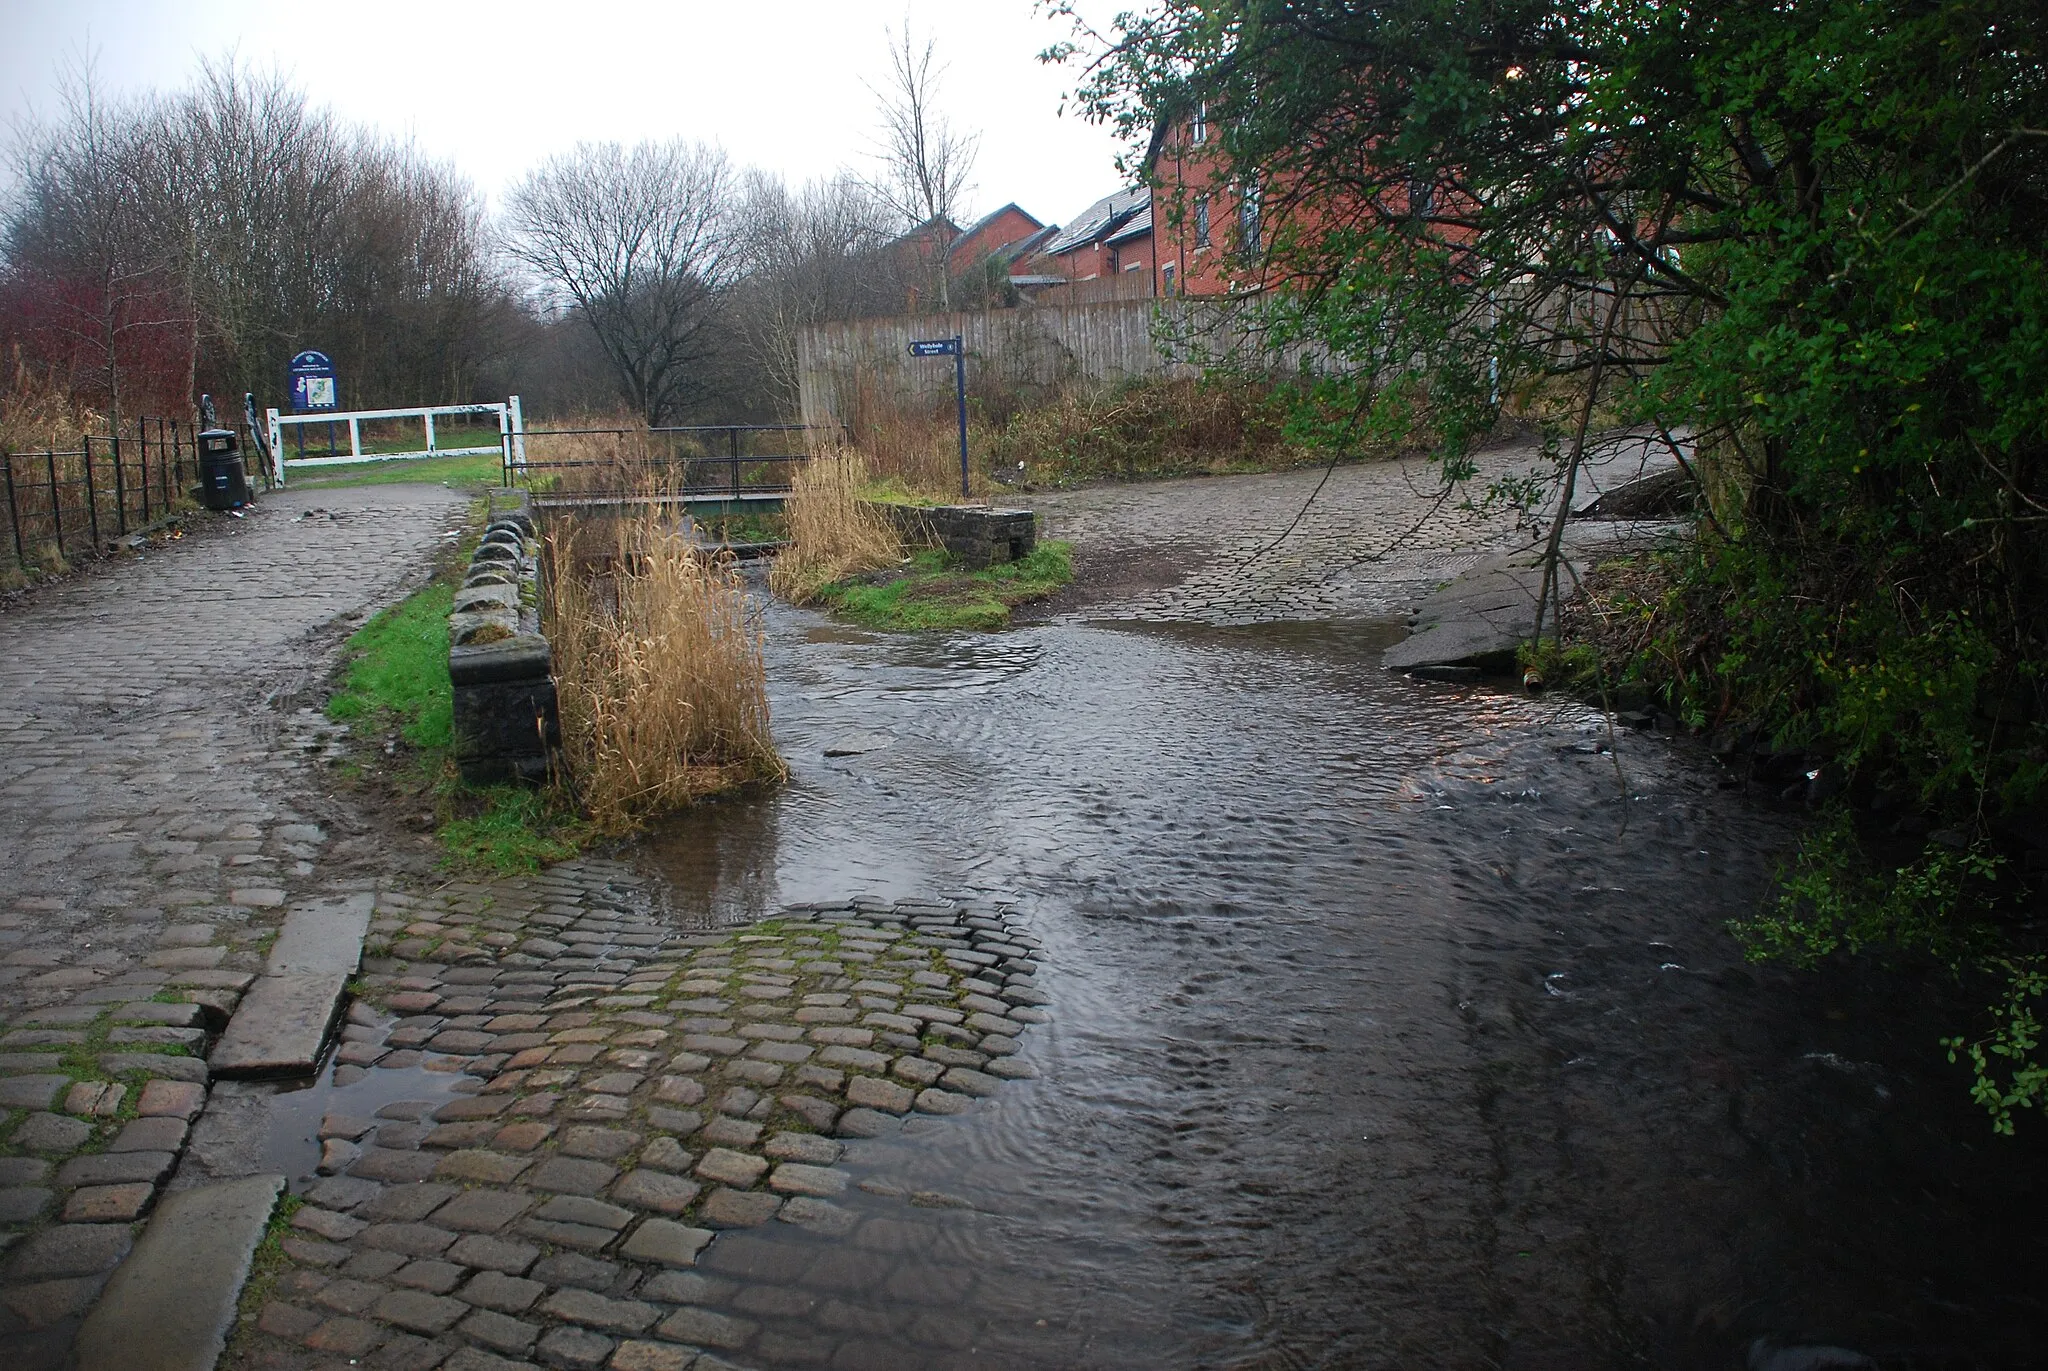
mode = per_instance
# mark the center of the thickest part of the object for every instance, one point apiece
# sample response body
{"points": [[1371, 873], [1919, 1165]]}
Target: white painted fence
{"points": [[511, 434]]}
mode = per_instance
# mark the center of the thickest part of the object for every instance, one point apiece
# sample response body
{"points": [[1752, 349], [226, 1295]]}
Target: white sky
{"points": [[495, 87]]}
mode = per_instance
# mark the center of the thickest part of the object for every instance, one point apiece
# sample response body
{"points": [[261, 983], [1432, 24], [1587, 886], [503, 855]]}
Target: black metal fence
{"points": [[696, 459], [64, 504]]}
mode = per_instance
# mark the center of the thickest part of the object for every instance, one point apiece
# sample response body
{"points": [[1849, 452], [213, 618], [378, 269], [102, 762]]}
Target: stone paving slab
{"points": [[171, 1303], [156, 819]]}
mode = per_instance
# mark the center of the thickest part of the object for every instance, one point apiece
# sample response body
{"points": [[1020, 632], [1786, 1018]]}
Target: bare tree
{"points": [[84, 274], [925, 163], [198, 240], [643, 243], [813, 254]]}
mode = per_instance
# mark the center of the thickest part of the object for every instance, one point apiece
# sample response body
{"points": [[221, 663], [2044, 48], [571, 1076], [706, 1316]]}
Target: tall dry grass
{"points": [[609, 463], [658, 664], [36, 413], [834, 530]]}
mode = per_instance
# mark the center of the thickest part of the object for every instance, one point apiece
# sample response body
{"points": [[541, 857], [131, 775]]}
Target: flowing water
{"points": [[1393, 1025]]}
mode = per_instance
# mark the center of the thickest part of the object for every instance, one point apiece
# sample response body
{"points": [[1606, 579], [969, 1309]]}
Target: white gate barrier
{"points": [[511, 444]]}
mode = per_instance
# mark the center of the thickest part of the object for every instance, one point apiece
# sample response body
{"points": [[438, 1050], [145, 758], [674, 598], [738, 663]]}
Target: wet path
{"points": [[1384, 1025], [1378, 1039]]}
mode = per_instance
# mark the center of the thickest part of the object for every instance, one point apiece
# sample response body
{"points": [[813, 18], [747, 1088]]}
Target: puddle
{"points": [[1310, 1096]]}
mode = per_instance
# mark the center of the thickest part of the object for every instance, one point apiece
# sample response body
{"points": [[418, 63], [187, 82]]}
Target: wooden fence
{"points": [[852, 373]]}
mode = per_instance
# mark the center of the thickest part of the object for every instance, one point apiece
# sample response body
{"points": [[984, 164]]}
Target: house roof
{"points": [[1025, 247], [995, 214], [1137, 226], [1103, 218]]}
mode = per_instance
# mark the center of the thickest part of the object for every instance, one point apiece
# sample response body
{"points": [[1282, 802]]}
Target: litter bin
{"points": [[223, 482]]}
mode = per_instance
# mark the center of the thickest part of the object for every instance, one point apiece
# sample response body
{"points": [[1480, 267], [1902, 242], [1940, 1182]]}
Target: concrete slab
{"points": [[282, 1024], [280, 1027], [170, 1305], [322, 936]]}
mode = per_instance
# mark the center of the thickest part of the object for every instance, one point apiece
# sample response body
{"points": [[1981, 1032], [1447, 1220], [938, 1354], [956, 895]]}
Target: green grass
{"points": [[398, 671], [485, 468], [510, 830], [891, 490], [396, 679], [929, 594]]}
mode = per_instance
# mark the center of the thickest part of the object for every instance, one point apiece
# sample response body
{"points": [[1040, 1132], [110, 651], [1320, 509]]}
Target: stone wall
{"points": [[506, 726], [974, 536]]}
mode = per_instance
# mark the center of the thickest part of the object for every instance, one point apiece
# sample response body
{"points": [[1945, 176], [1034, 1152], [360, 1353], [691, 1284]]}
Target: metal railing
{"points": [[683, 462], [72, 503]]}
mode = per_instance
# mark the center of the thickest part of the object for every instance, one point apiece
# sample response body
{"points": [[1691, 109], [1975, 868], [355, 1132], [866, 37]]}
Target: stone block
{"points": [[501, 1332], [654, 1190], [704, 1328], [494, 1254], [419, 1312], [160, 1134], [108, 1203], [171, 1099], [69, 1249], [666, 1243], [31, 1092], [497, 1290], [597, 1311], [725, 1208], [115, 1168], [24, 1204]]}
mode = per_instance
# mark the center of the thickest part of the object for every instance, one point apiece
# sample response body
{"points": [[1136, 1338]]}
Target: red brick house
{"points": [[1111, 238], [1209, 230], [1212, 230], [989, 236]]}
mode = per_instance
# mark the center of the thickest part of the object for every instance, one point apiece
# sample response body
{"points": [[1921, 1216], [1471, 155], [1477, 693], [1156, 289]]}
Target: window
{"points": [[1202, 222], [1421, 197], [1200, 132], [1166, 279], [1248, 219]]}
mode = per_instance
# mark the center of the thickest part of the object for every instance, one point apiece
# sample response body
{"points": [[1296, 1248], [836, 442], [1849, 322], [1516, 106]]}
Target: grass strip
{"points": [[929, 593], [483, 468], [395, 681]]}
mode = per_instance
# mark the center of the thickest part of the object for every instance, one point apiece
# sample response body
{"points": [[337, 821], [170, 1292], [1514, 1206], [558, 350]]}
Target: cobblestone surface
{"points": [[1369, 545], [155, 821], [616, 1094]]}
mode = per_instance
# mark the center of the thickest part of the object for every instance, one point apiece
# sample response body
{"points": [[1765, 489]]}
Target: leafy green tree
{"points": [[1804, 235]]}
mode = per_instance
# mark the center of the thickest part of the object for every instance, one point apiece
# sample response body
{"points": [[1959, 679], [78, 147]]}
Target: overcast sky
{"points": [[495, 87]]}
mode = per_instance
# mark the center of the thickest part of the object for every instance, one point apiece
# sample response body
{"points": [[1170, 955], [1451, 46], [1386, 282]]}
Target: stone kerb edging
{"points": [[499, 663], [977, 536]]}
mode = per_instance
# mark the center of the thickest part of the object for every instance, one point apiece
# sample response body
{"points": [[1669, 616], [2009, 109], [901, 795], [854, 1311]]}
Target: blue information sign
{"points": [[313, 383], [935, 347]]}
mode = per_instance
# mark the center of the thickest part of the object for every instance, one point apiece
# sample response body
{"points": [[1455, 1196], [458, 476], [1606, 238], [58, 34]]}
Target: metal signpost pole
{"points": [[960, 399], [954, 347]]}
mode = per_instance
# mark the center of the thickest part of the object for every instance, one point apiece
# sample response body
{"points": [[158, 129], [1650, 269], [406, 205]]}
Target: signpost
{"points": [[951, 347], [314, 388]]}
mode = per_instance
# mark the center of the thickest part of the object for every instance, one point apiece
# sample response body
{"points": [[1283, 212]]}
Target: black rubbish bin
{"points": [[223, 482]]}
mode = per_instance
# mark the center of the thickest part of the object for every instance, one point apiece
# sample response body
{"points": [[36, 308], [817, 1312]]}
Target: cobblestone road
{"points": [[155, 821], [1370, 544], [579, 1097]]}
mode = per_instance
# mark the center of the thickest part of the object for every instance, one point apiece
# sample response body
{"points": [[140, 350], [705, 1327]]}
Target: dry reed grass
{"points": [[834, 531], [658, 661], [36, 414], [613, 463]]}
